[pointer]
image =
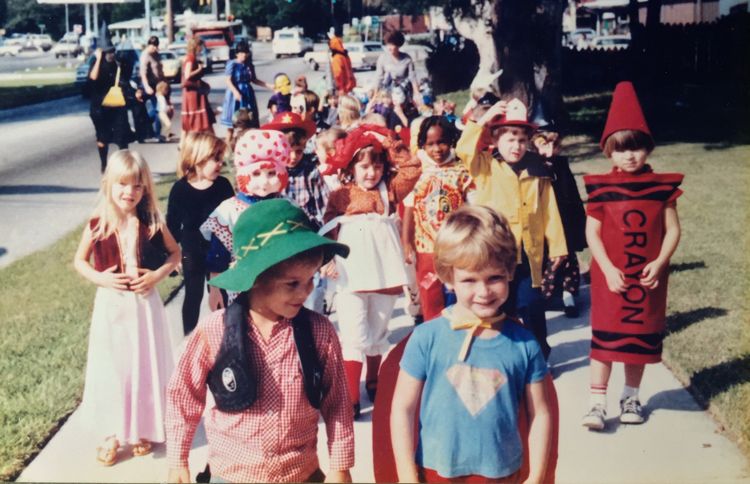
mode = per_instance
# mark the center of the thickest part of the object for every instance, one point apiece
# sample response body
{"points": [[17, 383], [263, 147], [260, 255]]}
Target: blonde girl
{"points": [[349, 111], [377, 172], [126, 250], [199, 190]]}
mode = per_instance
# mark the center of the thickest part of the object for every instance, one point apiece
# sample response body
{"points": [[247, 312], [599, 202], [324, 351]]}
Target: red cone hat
{"points": [[625, 112]]}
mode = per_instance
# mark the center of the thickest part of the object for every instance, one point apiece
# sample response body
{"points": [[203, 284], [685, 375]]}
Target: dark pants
{"points": [[194, 274], [527, 303]]}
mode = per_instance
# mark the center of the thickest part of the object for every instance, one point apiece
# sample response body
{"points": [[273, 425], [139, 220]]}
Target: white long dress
{"points": [[130, 361]]}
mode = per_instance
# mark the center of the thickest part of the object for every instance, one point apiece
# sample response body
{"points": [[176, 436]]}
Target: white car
{"points": [[290, 42], [67, 48], [364, 55], [9, 48], [611, 42]]}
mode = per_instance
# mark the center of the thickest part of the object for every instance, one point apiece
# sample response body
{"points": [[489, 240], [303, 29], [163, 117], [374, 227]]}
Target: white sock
{"points": [[568, 299], [628, 392], [598, 395]]}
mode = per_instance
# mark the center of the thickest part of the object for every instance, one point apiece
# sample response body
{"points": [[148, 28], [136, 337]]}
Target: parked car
{"points": [[9, 48], [41, 41], [171, 64], [290, 41], [611, 42], [364, 55], [580, 38], [131, 56], [67, 48]]}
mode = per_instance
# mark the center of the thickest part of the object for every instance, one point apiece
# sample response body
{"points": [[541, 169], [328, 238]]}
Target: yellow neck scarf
{"points": [[462, 318]]}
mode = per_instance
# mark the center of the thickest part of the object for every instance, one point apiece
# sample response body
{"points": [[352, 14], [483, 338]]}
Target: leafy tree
{"points": [[3, 12], [26, 16]]}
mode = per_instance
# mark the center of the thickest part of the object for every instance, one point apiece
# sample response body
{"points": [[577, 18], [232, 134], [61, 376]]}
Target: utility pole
{"points": [[95, 7], [148, 19], [169, 20], [87, 17], [215, 9], [67, 19], [227, 9]]}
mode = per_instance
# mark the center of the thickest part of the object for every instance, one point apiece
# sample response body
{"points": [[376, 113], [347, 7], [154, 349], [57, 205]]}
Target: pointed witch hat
{"points": [[624, 113]]}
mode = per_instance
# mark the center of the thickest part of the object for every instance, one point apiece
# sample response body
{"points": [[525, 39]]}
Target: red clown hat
{"points": [[625, 112]]}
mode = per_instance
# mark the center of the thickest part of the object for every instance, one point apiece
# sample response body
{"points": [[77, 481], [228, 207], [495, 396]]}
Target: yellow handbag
{"points": [[114, 98]]}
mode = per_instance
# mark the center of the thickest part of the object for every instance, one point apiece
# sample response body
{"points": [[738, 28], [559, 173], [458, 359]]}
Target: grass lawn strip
{"points": [[45, 311]]}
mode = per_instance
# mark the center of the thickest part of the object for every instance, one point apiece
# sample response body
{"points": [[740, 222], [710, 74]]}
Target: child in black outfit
{"points": [[566, 280], [200, 189]]}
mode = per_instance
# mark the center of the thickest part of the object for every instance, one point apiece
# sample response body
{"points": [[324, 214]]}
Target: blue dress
{"points": [[241, 75]]}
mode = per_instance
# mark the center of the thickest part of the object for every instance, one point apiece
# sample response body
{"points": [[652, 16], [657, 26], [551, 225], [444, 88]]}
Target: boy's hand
{"points": [[497, 109], [651, 274], [114, 280], [145, 282], [329, 271], [409, 256], [338, 476], [556, 261], [615, 279], [215, 301], [181, 474]]}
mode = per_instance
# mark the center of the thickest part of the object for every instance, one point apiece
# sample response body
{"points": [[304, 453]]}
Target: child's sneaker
{"points": [[631, 411], [594, 420]]}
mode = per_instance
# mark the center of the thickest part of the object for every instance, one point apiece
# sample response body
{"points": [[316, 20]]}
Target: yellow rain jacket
{"points": [[527, 200]]}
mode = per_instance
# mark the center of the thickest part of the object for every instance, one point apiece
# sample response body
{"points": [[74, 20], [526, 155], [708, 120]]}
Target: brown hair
{"points": [[368, 153], [473, 238], [498, 131], [312, 101], [197, 148], [395, 38], [548, 137], [295, 136], [628, 139], [349, 110], [193, 45]]}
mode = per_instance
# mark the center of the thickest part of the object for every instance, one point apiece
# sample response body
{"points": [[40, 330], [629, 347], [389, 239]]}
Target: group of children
{"points": [[479, 214]]}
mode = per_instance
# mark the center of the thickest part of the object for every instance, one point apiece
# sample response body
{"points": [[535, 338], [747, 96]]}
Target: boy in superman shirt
{"points": [[471, 369]]}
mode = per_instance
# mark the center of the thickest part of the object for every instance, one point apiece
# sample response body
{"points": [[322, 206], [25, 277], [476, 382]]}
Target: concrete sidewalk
{"points": [[678, 443]]}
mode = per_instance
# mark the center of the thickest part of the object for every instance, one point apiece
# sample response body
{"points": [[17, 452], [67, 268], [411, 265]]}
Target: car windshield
{"points": [[286, 36], [374, 48]]}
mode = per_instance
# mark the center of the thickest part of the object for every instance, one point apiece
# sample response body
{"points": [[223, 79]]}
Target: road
{"points": [[49, 167], [32, 60]]}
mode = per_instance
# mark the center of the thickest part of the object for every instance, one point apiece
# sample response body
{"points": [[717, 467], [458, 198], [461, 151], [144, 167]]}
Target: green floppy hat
{"points": [[267, 233]]}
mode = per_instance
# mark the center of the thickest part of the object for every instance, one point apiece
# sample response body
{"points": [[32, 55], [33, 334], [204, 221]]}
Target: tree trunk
{"points": [[473, 26], [528, 37]]}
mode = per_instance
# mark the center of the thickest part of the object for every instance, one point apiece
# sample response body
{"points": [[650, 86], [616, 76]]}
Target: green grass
{"points": [[45, 311], [21, 93]]}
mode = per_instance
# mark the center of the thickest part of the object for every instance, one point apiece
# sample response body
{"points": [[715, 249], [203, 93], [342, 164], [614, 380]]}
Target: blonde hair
{"points": [[193, 45], [327, 139], [473, 238], [374, 118], [197, 148], [125, 166], [349, 110], [162, 88]]}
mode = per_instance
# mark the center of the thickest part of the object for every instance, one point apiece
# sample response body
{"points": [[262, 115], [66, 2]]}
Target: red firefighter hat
{"points": [[625, 112], [289, 120]]}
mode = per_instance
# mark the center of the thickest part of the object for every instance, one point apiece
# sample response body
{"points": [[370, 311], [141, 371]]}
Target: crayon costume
{"points": [[130, 348], [629, 327]]}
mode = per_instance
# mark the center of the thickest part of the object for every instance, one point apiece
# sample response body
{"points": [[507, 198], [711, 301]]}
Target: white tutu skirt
{"points": [[130, 361], [376, 258]]}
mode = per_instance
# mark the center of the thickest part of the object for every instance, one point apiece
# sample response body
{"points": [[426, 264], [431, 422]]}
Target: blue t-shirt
{"points": [[468, 421]]}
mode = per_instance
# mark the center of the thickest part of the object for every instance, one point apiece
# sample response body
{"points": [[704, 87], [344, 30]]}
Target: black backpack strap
{"points": [[232, 379], [308, 355]]}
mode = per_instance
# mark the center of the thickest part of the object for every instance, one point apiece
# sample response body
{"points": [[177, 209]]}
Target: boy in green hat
{"points": [[271, 437]]}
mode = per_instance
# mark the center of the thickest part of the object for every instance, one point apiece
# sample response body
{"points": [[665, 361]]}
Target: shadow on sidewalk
{"points": [[40, 189]]}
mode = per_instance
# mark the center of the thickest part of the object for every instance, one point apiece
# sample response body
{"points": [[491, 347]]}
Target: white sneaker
{"points": [[594, 420], [631, 411]]}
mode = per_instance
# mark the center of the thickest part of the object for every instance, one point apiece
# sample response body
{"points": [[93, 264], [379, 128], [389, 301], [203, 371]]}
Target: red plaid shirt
{"points": [[275, 440]]}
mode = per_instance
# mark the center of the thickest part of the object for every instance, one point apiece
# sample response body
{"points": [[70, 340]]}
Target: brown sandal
{"points": [[143, 447], [107, 455]]}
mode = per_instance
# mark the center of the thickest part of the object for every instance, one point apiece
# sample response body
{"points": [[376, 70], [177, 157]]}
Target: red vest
{"points": [[107, 252]]}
